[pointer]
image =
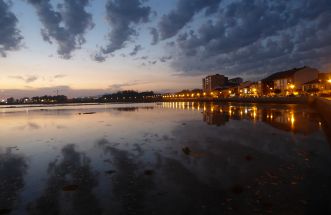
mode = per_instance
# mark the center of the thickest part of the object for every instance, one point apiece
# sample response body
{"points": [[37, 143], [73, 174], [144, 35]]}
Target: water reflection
{"points": [[129, 185], [166, 158], [29, 126], [69, 187], [294, 118], [13, 168], [133, 109]]}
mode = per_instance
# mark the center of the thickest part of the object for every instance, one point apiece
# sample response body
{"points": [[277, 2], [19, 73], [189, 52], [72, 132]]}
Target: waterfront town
{"points": [[296, 82], [304, 81]]}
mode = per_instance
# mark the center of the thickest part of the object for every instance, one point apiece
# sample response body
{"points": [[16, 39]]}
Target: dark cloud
{"points": [[135, 50], [185, 10], [99, 57], [258, 37], [32, 78], [171, 44], [59, 76], [122, 16], [152, 62], [165, 59], [26, 79], [155, 35], [66, 26], [65, 90], [10, 36], [124, 86]]}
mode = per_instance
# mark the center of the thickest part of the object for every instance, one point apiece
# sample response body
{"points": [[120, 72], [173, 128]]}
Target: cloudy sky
{"points": [[89, 47]]}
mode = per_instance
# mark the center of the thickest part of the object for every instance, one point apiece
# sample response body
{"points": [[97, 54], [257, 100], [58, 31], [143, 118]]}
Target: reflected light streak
{"points": [[292, 120]]}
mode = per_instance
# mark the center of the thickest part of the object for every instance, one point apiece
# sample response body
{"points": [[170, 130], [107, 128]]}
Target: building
{"points": [[319, 86], [228, 90], [289, 82], [249, 89], [324, 76], [212, 82], [219, 82], [235, 81]]}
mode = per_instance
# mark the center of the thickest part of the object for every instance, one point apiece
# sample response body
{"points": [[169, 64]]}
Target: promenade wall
{"points": [[323, 106], [276, 100]]}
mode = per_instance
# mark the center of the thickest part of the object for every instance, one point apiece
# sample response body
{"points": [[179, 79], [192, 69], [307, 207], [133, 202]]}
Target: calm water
{"points": [[167, 158]]}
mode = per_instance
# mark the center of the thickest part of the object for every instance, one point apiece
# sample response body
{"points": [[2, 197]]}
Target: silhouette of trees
{"points": [[50, 99], [130, 95]]}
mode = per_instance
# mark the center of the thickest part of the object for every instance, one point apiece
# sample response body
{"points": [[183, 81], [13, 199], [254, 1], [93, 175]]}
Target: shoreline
{"points": [[321, 105], [264, 100], [268, 100]]}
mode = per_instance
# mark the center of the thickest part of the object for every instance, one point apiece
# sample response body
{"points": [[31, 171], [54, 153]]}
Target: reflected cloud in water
{"points": [[69, 186], [29, 126], [129, 186], [13, 168], [168, 158]]}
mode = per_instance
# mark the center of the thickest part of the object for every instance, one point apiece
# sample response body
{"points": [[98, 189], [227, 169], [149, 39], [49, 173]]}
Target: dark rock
{"points": [[237, 189], [248, 157], [89, 113], [149, 172], [5, 211], [187, 150], [70, 188], [110, 172]]}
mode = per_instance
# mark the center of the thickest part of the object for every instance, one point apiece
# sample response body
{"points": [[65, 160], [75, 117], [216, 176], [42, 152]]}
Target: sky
{"points": [[92, 47]]}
